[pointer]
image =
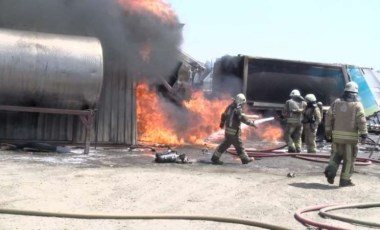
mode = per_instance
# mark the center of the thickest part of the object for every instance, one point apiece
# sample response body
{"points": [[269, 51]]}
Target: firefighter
{"points": [[231, 120], [311, 119], [345, 123], [292, 111]]}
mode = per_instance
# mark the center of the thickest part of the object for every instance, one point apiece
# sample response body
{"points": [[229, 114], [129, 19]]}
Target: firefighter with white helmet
{"points": [[231, 120], [345, 124], [311, 119], [292, 111], [295, 92]]}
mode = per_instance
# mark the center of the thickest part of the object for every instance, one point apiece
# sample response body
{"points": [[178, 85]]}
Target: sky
{"points": [[327, 31]]}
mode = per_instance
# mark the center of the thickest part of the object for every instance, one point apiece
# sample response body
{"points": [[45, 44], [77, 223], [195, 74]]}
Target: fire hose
{"points": [[141, 217], [304, 156], [323, 209]]}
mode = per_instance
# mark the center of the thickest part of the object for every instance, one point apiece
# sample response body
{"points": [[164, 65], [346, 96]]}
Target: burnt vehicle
{"points": [[267, 82]]}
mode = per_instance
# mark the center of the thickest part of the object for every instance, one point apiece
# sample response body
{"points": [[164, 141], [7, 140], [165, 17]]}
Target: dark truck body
{"points": [[268, 82]]}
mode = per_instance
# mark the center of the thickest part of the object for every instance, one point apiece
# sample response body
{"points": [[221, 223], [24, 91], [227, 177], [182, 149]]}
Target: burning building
{"points": [[140, 42], [143, 71], [140, 55]]}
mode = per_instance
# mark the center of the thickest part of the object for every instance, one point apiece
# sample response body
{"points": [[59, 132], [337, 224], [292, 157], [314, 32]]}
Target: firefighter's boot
{"points": [[345, 183], [330, 176], [291, 150], [245, 159], [215, 158]]}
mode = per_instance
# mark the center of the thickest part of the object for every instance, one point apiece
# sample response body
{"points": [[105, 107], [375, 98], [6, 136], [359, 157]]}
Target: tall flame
{"points": [[152, 123], [159, 8], [161, 122]]}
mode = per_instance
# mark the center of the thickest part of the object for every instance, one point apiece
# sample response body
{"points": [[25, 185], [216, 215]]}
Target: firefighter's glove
{"points": [[252, 123], [363, 138], [221, 125]]}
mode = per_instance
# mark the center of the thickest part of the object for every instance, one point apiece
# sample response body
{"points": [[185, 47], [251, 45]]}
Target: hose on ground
{"points": [[304, 156], [306, 221], [323, 209], [323, 213], [142, 217]]}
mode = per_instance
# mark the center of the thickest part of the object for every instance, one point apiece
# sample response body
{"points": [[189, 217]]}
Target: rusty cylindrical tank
{"points": [[49, 70]]}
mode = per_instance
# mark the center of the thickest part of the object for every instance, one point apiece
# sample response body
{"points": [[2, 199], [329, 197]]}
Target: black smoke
{"points": [[122, 32], [228, 75]]}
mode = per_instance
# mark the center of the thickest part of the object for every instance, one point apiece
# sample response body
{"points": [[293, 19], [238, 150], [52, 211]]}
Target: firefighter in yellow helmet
{"points": [[292, 111], [311, 119], [231, 120], [345, 123]]}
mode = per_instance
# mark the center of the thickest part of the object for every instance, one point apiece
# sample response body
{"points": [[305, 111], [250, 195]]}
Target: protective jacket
{"points": [[312, 116], [345, 121], [232, 118], [293, 110]]}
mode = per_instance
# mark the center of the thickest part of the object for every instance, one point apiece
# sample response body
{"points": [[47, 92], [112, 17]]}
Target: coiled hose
{"points": [[142, 217], [323, 209]]}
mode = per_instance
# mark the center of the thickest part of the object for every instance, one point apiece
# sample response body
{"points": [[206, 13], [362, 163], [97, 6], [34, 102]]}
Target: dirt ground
{"points": [[126, 181]]}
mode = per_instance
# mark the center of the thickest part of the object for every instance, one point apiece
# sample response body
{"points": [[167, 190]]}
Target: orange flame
{"points": [[159, 8], [272, 133], [152, 124], [160, 122]]}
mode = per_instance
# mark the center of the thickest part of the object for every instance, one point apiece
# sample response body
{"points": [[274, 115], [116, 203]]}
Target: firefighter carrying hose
{"points": [[311, 119], [292, 111], [231, 120], [345, 123]]}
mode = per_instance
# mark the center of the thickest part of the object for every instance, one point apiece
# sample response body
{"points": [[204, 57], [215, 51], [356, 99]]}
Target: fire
{"points": [[206, 116], [152, 123], [271, 133], [159, 8], [161, 122]]}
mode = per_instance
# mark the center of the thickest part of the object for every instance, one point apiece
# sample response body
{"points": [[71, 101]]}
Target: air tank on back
{"points": [[50, 70]]}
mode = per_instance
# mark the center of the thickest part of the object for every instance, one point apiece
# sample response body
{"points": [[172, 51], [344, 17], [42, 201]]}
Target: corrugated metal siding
{"points": [[115, 119]]}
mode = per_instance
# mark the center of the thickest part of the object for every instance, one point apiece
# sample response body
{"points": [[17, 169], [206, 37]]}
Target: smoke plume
{"points": [[123, 32]]}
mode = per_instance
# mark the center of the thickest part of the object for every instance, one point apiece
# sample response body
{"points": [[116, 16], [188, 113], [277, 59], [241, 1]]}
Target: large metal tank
{"points": [[49, 70]]}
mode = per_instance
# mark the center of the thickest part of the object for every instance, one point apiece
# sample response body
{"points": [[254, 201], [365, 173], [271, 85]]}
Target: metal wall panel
{"points": [[115, 119]]}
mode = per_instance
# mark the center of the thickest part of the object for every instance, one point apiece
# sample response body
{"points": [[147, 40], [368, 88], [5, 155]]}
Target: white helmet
{"points": [[310, 98], [351, 87], [295, 92], [240, 99]]}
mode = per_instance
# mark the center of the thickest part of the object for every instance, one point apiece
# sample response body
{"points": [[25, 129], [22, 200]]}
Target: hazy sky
{"points": [[330, 31]]}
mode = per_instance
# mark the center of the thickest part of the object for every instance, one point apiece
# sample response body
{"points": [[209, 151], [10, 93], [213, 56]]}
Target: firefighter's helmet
{"points": [[295, 92], [310, 98], [240, 99], [351, 87]]}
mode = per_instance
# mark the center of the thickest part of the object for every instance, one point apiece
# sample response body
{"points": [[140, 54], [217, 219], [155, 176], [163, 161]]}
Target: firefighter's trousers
{"points": [[229, 140], [345, 152], [310, 136], [293, 135]]}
